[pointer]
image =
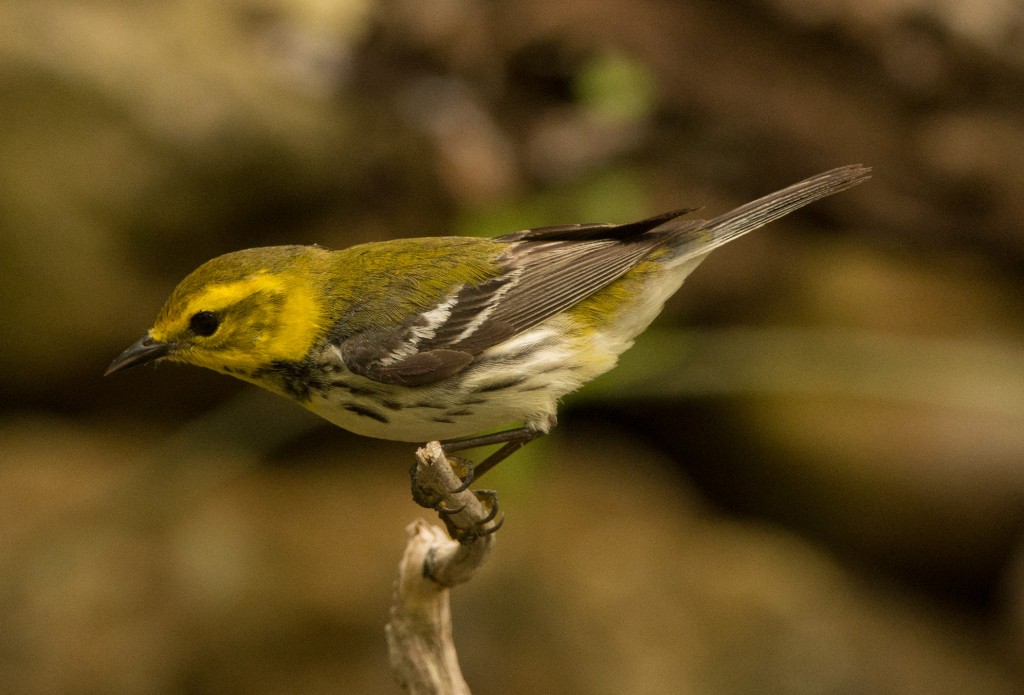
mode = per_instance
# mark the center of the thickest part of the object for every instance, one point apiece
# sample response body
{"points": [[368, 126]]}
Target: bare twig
{"points": [[422, 652]]}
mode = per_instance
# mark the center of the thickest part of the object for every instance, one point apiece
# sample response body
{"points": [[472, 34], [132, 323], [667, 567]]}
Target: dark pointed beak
{"points": [[142, 352]]}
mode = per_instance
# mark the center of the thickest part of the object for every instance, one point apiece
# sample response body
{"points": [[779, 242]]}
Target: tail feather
{"points": [[709, 235]]}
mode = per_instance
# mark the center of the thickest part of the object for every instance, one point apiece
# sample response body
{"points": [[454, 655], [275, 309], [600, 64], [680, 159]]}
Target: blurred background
{"points": [[807, 478]]}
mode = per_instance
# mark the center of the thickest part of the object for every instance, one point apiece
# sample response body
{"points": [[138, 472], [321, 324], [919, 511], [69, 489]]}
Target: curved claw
{"points": [[484, 527], [466, 478], [488, 498], [467, 474], [494, 527], [443, 510]]}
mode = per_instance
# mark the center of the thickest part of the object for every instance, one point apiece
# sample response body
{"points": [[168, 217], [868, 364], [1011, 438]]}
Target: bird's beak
{"points": [[142, 352]]}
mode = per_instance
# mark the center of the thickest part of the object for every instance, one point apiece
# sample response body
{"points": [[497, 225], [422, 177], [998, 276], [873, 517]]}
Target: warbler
{"points": [[441, 338]]}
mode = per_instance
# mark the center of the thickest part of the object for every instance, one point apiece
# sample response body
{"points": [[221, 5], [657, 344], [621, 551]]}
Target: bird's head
{"points": [[238, 313]]}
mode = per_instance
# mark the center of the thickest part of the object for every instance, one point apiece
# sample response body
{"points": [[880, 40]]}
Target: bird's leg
{"points": [[463, 443], [510, 447], [513, 440], [483, 527], [469, 515]]}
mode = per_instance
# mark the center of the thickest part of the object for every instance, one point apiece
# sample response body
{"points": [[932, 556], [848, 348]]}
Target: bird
{"points": [[445, 338]]}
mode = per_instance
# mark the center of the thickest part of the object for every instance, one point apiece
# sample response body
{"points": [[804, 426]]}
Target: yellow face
{"points": [[241, 325], [239, 313]]}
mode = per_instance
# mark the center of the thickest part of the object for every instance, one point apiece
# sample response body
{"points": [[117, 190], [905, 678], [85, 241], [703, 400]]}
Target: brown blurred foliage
{"points": [[810, 479]]}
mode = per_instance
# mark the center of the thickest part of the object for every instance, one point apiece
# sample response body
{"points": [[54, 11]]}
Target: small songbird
{"points": [[446, 337]]}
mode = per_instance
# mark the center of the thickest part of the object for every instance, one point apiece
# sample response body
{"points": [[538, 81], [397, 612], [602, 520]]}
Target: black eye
{"points": [[204, 323]]}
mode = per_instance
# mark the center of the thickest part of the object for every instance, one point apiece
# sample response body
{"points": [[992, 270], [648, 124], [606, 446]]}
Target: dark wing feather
{"points": [[596, 230], [550, 269], [373, 354], [557, 275], [546, 271], [470, 302]]}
